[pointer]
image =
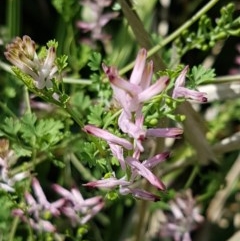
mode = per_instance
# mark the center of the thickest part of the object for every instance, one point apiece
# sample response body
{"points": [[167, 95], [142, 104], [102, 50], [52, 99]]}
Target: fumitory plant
{"points": [[113, 131]]}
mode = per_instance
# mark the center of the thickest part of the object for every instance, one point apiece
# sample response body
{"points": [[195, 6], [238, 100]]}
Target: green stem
{"points": [[227, 78], [139, 230], [174, 35], [13, 17], [27, 99], [6, 67], [67, 80], [7, 110], [192, 177], [112, 118], [27, 166], [13, 229], [74, 115], [81, 169]]}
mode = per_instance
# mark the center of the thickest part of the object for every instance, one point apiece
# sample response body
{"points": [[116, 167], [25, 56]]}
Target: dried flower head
{"points": [[22, 54]]}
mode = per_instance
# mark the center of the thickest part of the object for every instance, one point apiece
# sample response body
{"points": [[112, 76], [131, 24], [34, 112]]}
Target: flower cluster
{"points": [[131, 96], [96, 20], [22, 54], [71, 204], [184, 217], [8, 181]]}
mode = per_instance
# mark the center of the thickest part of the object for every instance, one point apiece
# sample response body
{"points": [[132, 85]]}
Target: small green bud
{"points": [[212, 43], [230, 7], [112, 195], [180, 118], [107, 175], [153, 122], [204, 47], [81, 231]]}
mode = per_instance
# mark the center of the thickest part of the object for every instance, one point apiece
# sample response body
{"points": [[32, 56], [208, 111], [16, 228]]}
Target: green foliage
{"points": [[29, 133], [207, 34], [5, 219], [80, 102], [95, 61], [62, 62], [99, 116], [66, 8], [52, 43], [95, 116], [199, 75]]}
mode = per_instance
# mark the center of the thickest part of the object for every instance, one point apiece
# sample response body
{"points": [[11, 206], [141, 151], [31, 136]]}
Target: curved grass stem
{"points": [[174, 35]]}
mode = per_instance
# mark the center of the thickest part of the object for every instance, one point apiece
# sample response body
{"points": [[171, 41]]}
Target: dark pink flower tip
{"points": [[111, 72]]}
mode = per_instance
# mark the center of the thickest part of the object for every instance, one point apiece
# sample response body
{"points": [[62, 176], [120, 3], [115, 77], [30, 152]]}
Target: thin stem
{"points": [[81, 169], [13, 229], [27, 166], [192, 177], [139, 230], [77, 81], [7, 110], [13, 17], [27, 100], [6, 67], [227, 78], [175, 34], [112, 118], [73, 114]]}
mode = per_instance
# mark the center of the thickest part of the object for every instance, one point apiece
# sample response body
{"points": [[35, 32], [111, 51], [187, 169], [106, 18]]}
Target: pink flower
{"points": [[77, 209], [42, 201], [130, 94], [145, 172], [112, 139], [133, 93], [139, 193], [165, 132], [181, 91], [108, 183], [96, 20], [37, 207], [155, 160], [184, 217]]}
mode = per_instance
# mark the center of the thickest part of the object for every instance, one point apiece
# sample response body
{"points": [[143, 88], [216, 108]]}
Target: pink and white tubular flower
{"points": [[97, 18], [133, 93], [76, 208], [107, 136], [140, 169], [184, 217], [37, 207], [131, 96], [139, 193], [181, 91], [22, 54]]}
